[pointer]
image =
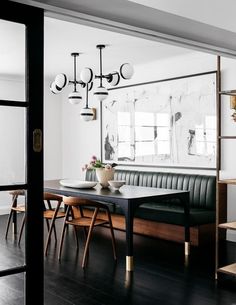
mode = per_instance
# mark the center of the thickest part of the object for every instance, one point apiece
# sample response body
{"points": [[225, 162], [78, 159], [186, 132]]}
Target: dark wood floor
{"points": [[161, 275]]}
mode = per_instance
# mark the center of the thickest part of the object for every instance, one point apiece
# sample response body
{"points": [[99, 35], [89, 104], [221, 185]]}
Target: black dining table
{"points": [[129, 198]]}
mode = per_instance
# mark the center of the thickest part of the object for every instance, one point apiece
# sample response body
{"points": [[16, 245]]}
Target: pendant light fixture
{"points": [[87, 77], [126, 72]]}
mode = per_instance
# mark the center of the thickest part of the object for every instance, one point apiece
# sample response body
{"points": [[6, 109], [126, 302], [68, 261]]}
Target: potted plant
{"points": [[104, 171]]}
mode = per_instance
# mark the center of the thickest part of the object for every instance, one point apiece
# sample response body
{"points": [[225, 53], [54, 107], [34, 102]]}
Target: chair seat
{"points": [[86, 221], [19, 208], [50, 213]]}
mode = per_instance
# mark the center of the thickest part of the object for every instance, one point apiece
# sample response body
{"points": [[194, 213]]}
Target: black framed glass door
{"points": [[21, 138]]}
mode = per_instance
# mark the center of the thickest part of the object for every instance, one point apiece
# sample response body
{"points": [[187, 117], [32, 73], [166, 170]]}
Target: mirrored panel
{"points": [[12, 61]]}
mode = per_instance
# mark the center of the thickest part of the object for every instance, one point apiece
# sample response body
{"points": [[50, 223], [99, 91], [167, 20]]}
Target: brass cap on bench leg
{"points": [[129, 263], [186, 248]]}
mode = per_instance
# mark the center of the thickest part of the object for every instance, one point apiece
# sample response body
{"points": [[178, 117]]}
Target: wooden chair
{"points": [[50, 214], [15, 208], [85, 222]]}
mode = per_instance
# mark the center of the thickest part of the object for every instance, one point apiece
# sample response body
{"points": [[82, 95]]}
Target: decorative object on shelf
{"points": [[86, 81], [233, 106], [113, 78], [104, 172]]}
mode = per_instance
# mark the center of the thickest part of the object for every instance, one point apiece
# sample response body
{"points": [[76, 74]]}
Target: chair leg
{"points": [[75, 228], [76, 236], [49, 236], [21, 229], [89, 237], [62, 240], [63, 233], [55, 232], [11, 215], [112, 235], [8, 223]]}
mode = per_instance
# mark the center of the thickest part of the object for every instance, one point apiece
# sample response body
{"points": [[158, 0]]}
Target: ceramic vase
{"points": [[104, 175]]}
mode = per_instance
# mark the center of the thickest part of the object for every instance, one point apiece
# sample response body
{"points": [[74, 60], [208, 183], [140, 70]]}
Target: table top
{"points": [[126, 192]]}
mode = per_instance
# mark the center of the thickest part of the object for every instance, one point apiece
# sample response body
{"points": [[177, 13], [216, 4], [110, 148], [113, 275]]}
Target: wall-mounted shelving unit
{"points": [[222, 184]]}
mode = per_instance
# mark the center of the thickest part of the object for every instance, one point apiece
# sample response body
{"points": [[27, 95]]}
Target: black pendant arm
{"points": [[86, 105], [75, 82], [75, 73], [100, 67]]}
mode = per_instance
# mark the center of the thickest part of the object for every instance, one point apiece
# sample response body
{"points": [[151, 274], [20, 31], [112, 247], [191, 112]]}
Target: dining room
{"points": [[145, 114]]}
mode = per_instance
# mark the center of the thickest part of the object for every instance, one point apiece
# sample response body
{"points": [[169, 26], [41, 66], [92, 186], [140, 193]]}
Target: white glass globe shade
{"points": [[101, 93], [54, 89], [74, 98], [86, 75], [86, 114], [126, 71], [115, 79], [61, 80]]}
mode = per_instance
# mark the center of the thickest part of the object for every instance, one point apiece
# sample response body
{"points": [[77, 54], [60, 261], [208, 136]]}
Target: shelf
{"points": [[227, 181], [230, 269], [228, 225], [228, 92]]}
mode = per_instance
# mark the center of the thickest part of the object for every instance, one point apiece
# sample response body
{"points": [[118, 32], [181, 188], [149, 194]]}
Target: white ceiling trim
{"points": [[216, 48]]}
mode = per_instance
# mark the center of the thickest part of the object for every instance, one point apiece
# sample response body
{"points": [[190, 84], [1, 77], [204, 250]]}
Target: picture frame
{"points": [[164, 123]]}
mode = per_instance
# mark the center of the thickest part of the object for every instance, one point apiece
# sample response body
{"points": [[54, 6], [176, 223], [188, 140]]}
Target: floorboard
{"points": [[161, 276]]}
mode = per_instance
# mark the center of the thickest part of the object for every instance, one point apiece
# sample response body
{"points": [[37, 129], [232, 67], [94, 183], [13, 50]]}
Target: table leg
{"points": [[129, 219]]}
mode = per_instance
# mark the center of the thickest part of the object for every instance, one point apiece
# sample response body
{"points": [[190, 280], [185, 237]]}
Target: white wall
{"points": [[52, 133]]}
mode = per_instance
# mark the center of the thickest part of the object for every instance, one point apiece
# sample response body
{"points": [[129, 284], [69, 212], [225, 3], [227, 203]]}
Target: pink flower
{"points": [[94, 158], [85, 167]]}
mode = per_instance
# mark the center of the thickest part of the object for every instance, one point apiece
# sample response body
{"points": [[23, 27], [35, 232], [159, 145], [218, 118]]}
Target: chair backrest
{"points": [[75, 201], [50, 196], [17, 193]]}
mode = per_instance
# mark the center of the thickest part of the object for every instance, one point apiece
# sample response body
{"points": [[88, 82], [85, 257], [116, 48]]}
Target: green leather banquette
{"points": [[202, 190]]}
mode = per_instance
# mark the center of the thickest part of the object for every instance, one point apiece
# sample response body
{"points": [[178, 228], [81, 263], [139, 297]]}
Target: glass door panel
{"points": [[13, 146], [12, 61]]}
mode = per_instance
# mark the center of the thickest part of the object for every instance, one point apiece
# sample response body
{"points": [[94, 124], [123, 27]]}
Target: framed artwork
{"points": [[166, 123]]}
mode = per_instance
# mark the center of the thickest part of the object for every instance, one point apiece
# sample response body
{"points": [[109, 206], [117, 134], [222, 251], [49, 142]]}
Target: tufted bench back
{"points": [[202, 187]]}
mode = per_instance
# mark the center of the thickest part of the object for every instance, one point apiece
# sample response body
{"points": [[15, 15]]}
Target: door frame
{"points": [[33, 19]]}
